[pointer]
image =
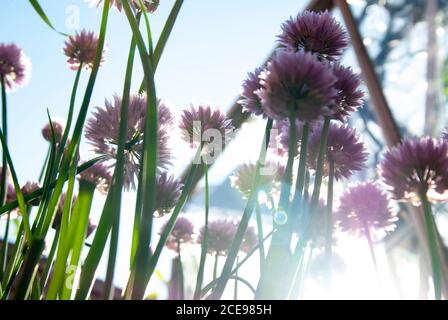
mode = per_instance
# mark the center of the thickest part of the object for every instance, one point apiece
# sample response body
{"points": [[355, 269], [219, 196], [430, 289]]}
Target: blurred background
{"points": [[212, 47]]}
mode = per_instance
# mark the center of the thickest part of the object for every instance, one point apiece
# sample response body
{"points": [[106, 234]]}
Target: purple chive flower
{"points": [[297, 80], [221, 234], [270, 176], [316, 32], [365, 208], [417, 166], [97, 175], [58, 128], [196, 121], [182, 233], [102, 132], [29, 188], [15, 67], [250, 100], [167, 194], [349, 97], [150, 5], [11, 193], [81, 49], [344, 148]]}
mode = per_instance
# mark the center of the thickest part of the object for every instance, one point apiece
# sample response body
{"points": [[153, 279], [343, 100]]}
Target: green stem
{"points": [[77, 233], [320, 164], [4, 251], [70, 114], [181, 275], [242, 227], [260, 237], [279, 249], [235, 289], [28, 272], [149, 162], [42, 171], [119, 171], [215, 266], [204, 245], [329, 218], [50, 257], [4, 182], [433, 245], [301, 173]]}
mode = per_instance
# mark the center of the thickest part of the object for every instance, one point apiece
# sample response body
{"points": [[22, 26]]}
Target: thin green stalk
{"points": [[119, 171], [96, 251], [320, 164], [242, 227], [301, 174], [260, 237], [431, 232], [50, 257], [238, 265], [279, 250], [44, 166], [329, 219], [43, 16], [215, 267], [19, 194], [235, 289], [181, 274], [164, 36], [28, 273], [77, 233], [63, 251], [15, 255], [71, 108], [38, 193], [4, 251], [186, 190], [149, 162], [4, 182], [204, 244]]}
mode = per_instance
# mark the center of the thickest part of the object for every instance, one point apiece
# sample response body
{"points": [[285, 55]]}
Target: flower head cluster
{"points": [[316, 32], [349, 97], [269, 182], [299, 82], [250, 100], [102, 132], [81, 50], [345, 150], [417, 167], [221, 234], [364, 208], [196, 122], [182, 233], [149, 5], [58, 128], [167, 194], [97, 175], [15, 67]]}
